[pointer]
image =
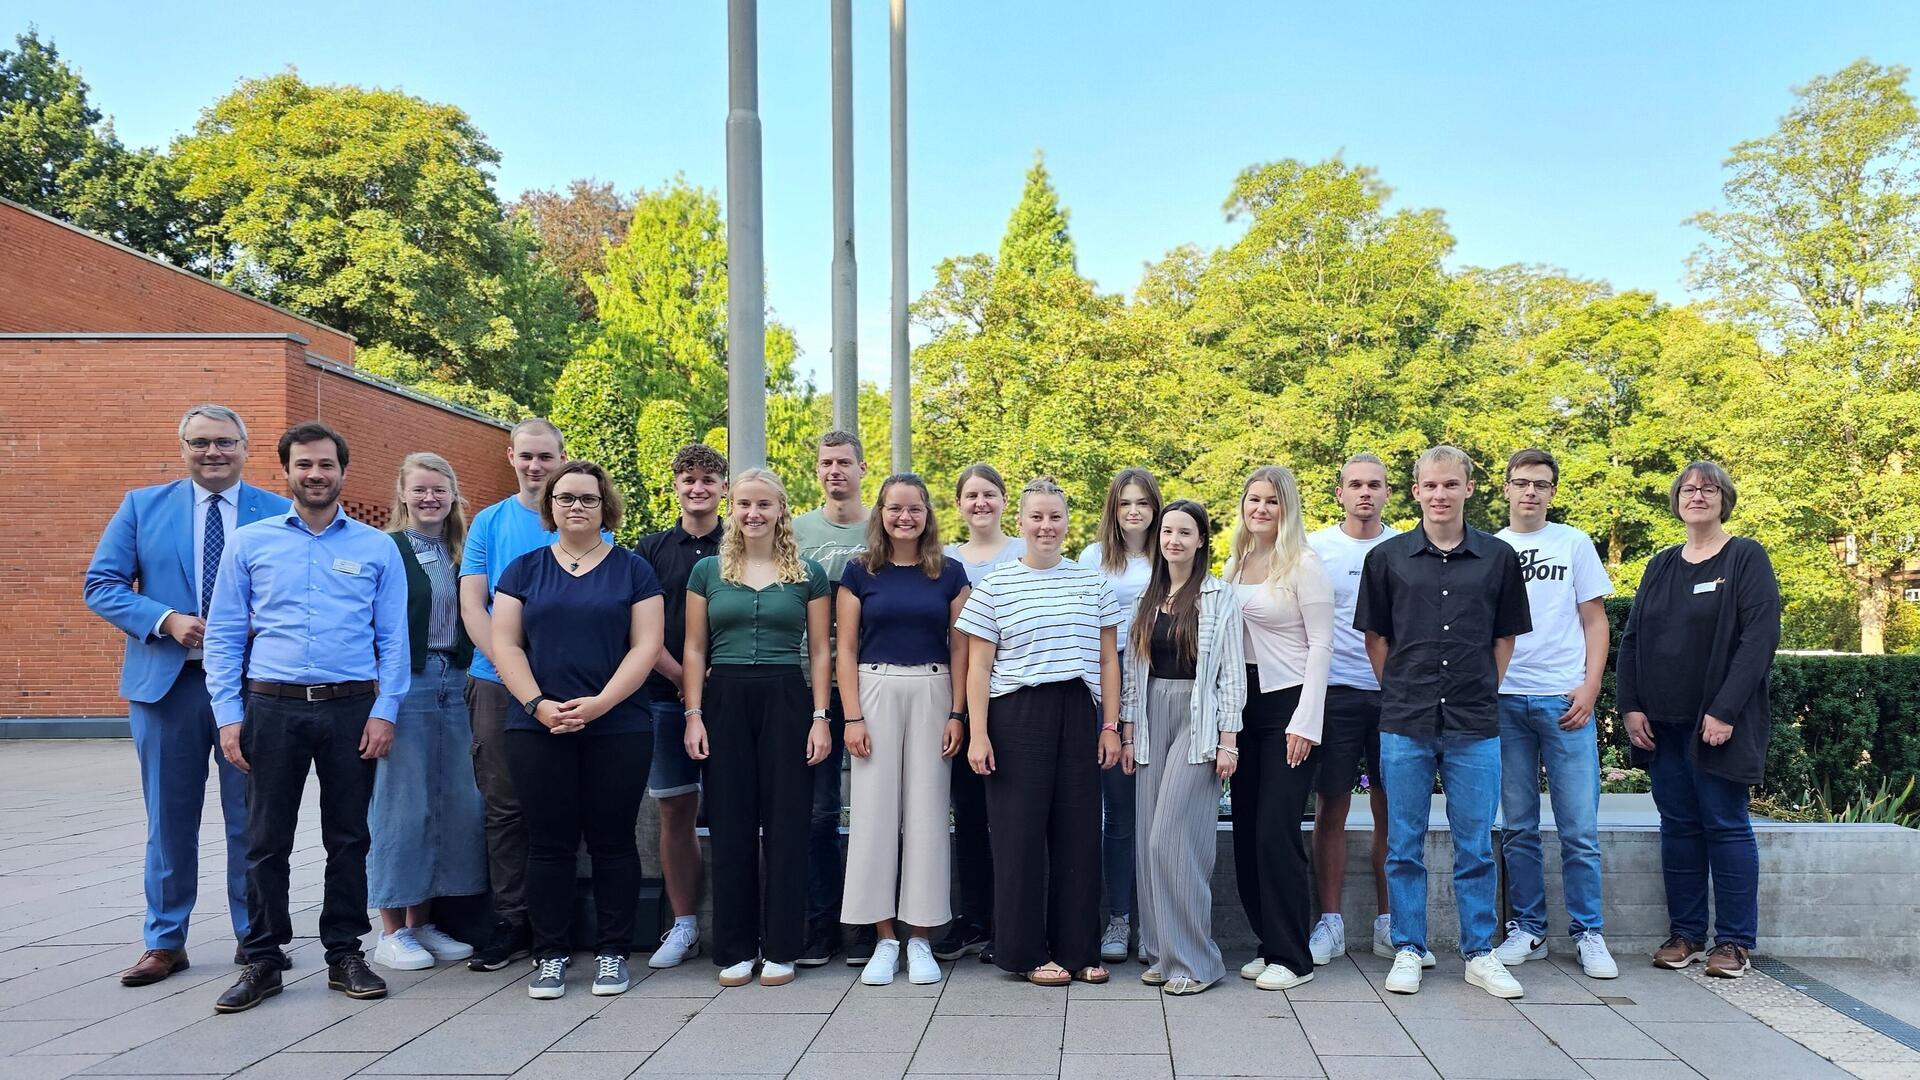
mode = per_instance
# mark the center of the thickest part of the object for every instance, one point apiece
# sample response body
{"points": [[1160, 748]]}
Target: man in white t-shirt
{"points": [[1350, 742], [1546, 717]]}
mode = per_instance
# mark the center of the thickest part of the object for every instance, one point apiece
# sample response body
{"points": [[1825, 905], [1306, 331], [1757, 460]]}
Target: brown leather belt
{"points": [[317, 692]]}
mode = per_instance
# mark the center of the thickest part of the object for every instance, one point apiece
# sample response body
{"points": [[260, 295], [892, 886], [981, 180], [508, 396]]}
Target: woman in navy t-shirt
{"points": [[576, 628], [900, 599]]}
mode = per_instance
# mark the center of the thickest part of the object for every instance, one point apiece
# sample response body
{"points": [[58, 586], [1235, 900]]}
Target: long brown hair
{"points": [[879, 553], [1186, 602], [1113, 542]]}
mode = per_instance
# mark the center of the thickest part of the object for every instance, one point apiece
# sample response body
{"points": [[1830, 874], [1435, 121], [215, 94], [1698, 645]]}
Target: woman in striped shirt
{"points": [[1041, 664]]}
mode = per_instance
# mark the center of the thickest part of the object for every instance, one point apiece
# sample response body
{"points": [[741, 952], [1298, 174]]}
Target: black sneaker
{"points": [[510, 942], [352, 977], [986, 954], [819, 949], [258, 982], [860, 944], [963, 939]]}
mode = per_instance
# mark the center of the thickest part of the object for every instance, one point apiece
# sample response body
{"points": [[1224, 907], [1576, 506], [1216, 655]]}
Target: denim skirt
{"points": [[427, 818]]}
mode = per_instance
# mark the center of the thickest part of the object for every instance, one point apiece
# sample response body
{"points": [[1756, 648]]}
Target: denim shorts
{"points": [[673, 772]]}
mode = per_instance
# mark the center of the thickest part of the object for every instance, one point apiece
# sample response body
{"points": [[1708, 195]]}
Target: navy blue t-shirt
{"points": [[904, 614], [578, 629]]}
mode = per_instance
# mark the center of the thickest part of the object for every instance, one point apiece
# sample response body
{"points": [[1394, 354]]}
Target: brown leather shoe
{"points": [[1728, 962], [1677, 953], [154, 965]]}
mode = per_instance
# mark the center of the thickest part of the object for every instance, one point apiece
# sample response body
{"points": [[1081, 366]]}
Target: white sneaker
{"points": [[922, 968], [1488, 973], [1328, 941], [772, 974], [1520, 947], [440, 945], [1405, 976], [1383, 944], [1113, 943], [884, 962], [402, 952], [739, 974], [681, 942], [1281, 977], [1595, 961], [1252, 968]]}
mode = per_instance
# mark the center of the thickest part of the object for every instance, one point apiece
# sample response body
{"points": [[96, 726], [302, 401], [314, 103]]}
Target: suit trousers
{"points": [[1269, 850], [172, 738]]}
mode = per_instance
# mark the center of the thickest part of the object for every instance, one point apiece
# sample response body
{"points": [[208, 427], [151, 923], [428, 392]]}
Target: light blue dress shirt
{"points": [[321, 607]]}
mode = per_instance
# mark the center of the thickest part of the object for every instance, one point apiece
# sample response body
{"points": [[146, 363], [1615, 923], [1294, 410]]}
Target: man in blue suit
{"points": [[152, 577]]}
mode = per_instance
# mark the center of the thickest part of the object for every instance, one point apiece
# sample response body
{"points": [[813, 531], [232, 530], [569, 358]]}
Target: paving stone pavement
{"points": [[71, 835]]}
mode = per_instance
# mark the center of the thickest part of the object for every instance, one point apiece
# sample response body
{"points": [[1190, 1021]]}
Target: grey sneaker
{"points": [[611, 976], [549, 979], [1113, 943]]}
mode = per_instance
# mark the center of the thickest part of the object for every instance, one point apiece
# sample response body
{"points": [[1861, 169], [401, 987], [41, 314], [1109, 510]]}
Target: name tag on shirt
{"points": [[346, 566], [426, 557], [1706, 586]]}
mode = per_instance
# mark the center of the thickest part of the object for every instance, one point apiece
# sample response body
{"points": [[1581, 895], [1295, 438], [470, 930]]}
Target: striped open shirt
{"points": [[1045, 624]]}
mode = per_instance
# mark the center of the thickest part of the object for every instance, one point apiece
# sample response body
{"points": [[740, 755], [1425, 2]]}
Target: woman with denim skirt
{"points": [[427, 817]]}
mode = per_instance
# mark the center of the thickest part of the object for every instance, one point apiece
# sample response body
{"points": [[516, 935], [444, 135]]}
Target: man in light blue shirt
{"points": [[307, 661]]}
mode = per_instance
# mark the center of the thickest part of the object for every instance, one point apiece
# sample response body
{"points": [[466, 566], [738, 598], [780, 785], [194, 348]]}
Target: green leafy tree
{"points": [[390, 363], [661, 429], [600, 417], [1817, 250], [575, 228]]}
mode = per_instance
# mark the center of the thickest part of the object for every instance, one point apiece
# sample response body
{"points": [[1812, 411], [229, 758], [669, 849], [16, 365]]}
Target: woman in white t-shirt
{"points": [[1041, 665], [1126, 524], [1286, 608]]}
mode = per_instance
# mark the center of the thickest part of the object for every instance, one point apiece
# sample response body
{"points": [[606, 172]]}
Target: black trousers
{"points": [[1043, 797], [1269, 849], [759, 804], [282, 738], [972, 843], [578, 786]]}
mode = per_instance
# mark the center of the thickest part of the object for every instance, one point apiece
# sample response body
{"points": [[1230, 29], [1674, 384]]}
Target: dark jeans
{"points": [[1269, 848], [757, 795], [826, 872], [1705, 836], [1116, 840], [282, 738], [972, 842], [487, 705], [582, 786]]}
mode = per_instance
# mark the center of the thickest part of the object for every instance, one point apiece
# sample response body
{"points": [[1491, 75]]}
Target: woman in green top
{"points": [[756, 613]]}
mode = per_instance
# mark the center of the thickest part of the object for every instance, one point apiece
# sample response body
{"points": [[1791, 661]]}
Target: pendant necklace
{"points": [[575, 564]]}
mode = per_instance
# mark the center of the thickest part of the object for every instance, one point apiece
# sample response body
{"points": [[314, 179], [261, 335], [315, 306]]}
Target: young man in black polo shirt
{"points": [[1441, 606], [699, 483]]}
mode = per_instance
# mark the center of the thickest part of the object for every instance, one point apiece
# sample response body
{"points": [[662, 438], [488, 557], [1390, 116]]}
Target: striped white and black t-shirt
{"points": [[1045, 624]]}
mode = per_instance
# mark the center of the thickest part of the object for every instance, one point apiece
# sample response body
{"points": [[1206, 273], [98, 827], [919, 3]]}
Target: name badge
{"points": [[1706, 586], [426, 558], [346, 566]]}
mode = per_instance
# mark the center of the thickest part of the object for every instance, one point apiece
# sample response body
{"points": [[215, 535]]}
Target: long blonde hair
{"points": [[786, 552], [1290, 534], [454, 531]]}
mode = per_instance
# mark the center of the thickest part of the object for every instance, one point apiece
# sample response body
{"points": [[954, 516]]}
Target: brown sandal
{"points": [[1095, 974], [1048, 974]]}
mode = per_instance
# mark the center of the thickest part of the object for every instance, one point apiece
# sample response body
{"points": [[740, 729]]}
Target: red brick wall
{"points": [[58, 279]]}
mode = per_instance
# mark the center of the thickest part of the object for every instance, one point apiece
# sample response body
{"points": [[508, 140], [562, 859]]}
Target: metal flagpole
{"points": [[746, 285]]}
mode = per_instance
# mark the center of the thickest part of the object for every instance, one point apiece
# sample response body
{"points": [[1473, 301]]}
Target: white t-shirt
{"points": [[1045, 624], [1562, 570], [1343, 557], [1127, 585]]}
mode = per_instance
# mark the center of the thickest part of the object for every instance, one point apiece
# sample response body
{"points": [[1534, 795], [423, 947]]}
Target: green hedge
{"points": [[1841, 724]]}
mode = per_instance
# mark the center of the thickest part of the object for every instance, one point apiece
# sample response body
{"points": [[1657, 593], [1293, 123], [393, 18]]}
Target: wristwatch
{"points": [[533, 706], [958, 714], [819, 714]]}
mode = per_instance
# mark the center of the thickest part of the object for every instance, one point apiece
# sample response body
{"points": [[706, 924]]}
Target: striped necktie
{"points": [[214, 542]]}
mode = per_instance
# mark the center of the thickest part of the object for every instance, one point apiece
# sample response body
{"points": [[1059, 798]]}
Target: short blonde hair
{"points": [[1444, 455], [1044, 485]]}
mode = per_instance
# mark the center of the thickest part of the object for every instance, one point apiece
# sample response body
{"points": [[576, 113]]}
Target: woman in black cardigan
{"points": [[1692, 686]]}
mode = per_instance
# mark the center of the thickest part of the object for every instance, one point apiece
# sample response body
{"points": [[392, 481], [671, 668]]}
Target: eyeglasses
{"points": [[201, 446], [1705, 491], [569, 499], [907, 511], [1534, 485]]}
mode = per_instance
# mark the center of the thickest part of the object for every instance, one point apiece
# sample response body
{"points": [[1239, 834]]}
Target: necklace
{"points": [[575, 564]]}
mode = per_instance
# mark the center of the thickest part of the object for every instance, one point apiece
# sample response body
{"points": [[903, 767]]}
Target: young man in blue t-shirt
{"points": [[500, 534]]}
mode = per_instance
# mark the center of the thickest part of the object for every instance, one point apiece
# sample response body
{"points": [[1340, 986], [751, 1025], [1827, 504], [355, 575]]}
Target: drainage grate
{"points": [[1839, 1001]]}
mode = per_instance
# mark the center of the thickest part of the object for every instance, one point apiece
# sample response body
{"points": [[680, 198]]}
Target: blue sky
{"points": [[1578, 135]]}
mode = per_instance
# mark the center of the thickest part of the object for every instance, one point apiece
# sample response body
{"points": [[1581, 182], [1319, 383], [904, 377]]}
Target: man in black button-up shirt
{"points": [[1441, 606]]}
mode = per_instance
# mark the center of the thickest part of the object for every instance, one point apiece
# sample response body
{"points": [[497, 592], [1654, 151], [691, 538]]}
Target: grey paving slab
{"points": [[815, 1065], [814, 990], [389, 1027], [715, 1045], [51, 1068], [1655, 994], [472, 1043], [135, 1027], [990, 1045], [1116, 1067], [1378, 1068], [1340, 980], [1226, 1044], [876, 1025], [1490, 1050], [290, 1066], [600, 1065], [227, 1044], [1353, 1029], [1592, 1031], [1752, 1049], [693, 979], [19, 1035], [1116, 1027], [1553, 984], [631, 1024], [992, 992], [1620, 1069], [1230, 995]]}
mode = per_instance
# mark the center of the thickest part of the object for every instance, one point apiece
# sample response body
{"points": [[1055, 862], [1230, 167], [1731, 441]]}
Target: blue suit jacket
{"points": [[144, 567]]}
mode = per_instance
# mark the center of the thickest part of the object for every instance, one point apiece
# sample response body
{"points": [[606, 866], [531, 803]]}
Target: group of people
{"points": [[1038, 736]]}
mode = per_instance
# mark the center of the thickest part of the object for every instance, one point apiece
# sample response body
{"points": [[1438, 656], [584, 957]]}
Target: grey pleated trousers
{"points": [[1176, 823]]}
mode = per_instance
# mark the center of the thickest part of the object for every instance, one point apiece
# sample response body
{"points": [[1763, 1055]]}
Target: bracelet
{"points": [[1234, 750], [1126, 742], [1110, 727], [695, 711], [850, 719]]}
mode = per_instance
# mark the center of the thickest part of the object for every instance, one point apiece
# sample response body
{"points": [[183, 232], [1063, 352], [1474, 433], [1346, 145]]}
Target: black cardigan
{"points": [[1737, 668], [420, 610]]}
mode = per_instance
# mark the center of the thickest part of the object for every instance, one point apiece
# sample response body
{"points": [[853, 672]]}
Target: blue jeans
{"points": [[1469, 769], [1705, 833], [1116, 839], [825, 871], [1530, 735]]}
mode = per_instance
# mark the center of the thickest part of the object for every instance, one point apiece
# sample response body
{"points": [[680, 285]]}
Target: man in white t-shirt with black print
{"points": [[1546, 717], [1350, 743]]}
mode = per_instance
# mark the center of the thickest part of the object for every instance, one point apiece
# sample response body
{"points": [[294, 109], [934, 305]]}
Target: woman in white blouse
{"points": [[1286, 608]]}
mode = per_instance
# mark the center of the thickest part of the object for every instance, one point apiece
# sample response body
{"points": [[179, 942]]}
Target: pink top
{"points": [[1289, 634]]}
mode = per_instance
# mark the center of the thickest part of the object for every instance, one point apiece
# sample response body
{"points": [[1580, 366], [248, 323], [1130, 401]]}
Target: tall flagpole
{"points": [[902, 354], [746, 276], [846, 327]]}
